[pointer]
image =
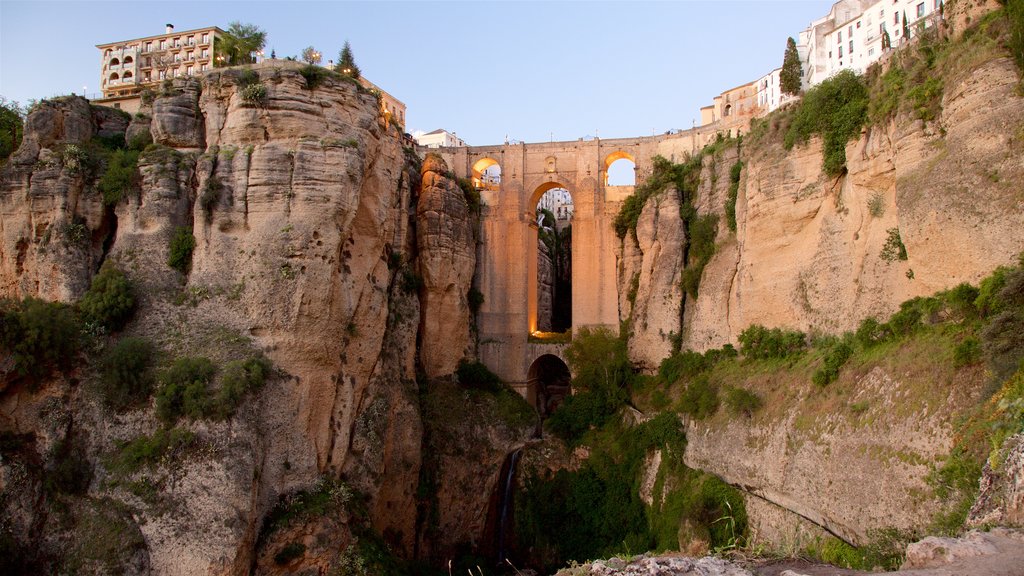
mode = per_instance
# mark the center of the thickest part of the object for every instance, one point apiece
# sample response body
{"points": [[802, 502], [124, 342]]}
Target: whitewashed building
{"points": [[439, 139]]}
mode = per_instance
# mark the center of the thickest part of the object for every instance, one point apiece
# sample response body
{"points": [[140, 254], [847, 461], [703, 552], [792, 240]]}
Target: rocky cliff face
{"points": [[299, 200], [806, 255]]}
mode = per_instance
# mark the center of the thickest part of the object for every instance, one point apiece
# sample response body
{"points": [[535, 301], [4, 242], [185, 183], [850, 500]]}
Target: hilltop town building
{"points": [[439, 138], [129, 66]]}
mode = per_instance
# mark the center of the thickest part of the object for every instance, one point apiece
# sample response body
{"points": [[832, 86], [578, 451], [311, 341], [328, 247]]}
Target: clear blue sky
{"points": [[482, 69]]}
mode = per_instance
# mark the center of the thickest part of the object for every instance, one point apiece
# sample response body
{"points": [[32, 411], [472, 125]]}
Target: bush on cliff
{"points": [[125, 373], [110, 301], [38, 336], [180, 252], [760, 343], [835, 110]]}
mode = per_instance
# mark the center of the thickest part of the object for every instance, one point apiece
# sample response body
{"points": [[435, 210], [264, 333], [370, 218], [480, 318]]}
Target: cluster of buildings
{"points": [[558, 202], [128, 67], [852, 36]]}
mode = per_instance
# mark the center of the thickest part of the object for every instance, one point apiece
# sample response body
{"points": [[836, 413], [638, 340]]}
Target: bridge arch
{"points": [[565, 301], [548, 383], [486, 173], [627, 176]]}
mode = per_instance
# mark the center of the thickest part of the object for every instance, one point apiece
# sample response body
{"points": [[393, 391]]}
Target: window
{"points": [[177, 42], [149, 46], [829, 53], [162, 75], [920, 9], [840, 40], [188, 71], [881, 14], [850, 28], [851, 46], [191, 40], [146, 77], [896, 18], [206, 52], [858, 24], [206, 38], [177, 56], [936, 4], [881, 27], [871, 52], [202, 68], [840, 51], [149, 61], [189, 56], [163, 44]]}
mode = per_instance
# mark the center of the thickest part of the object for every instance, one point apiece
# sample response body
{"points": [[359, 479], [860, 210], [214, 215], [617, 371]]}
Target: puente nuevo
{"points": [[507, 255]]}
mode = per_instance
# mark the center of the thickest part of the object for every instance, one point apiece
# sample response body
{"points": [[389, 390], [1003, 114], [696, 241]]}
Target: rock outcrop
{"points": [[446, 239]]}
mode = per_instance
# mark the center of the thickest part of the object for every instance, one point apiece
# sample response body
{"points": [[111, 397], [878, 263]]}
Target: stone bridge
{"points": [[507, 254]]}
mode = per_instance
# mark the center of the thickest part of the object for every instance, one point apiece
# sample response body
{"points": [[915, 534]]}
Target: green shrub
{"points": [[836, 356], [908, 318], [742, 401], [477, 376], [248, 77], [759, 343], [835, 110], [893, 249], [314, 75], [67, 470], [125, 376], [211, 194], [149, 450], [876, 205], [184, 389], [700, 398], [120, 177], [961, 300], [38, 335], [701, 231], [683, 364], [926, 98], [870, 332], [239, 378], [470, 193], [734, 190], [110, 300], [684, 177], [182, 244], [887, 91], [967, 352], [253, 94], [988, 302], [579, 412]]}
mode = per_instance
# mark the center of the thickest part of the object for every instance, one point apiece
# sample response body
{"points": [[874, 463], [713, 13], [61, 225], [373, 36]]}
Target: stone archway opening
{"points": [[553, 281], [486, 174], [549, 383], [620, 169]]}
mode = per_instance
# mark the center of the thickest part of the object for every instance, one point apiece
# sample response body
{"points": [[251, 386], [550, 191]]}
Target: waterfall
{"points": [[505, 503]]}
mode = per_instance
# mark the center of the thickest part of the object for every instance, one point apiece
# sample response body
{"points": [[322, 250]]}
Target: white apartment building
{"points": [[851, 39], [769, 92], [559, 202], [439, 139]]}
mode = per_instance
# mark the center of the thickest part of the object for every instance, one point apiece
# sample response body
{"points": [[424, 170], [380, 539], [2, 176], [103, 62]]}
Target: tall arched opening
{"points": [[486, 174], [550, 282], [548, 384], [620, 169]]}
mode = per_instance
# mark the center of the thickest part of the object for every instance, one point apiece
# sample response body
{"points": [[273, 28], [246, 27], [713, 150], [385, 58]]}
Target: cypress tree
{"points": [[790, 75], [347, 62]]}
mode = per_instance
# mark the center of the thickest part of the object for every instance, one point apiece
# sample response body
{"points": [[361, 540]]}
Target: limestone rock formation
{"points": [[657, 254], [447, 257], [545, 288], [1001, 497]]}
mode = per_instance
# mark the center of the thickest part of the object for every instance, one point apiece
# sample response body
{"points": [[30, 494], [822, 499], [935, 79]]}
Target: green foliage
{"points": [[700, 398], [685, 364], [238, 379], [180, 253], [412, 282], [759, 343], [67, 470], [471, 194], [238, 44], [475, 299], [125, 375], [183, 389], [835, 110], [734, 191], [684, 177], [254, 94], [871, 332], [988, 302], [967, 352], [701, 231], [477, 376], [11, 127], [38, 335], [742, 401], [1015, 17], [325, 496], [347, 62], [149, 451], [835, 357], [887, 91], [893, 249], [791, 74], [876, 205], [110, 300], [581, 411], [120, 177], [599, 361], [314, 75], [926, 98], [211, 194], [885, 550]]}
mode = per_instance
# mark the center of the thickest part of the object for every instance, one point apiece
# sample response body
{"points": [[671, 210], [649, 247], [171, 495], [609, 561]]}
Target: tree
{"points": [[346, 63], [886, 41], [238, 44], [11, 127], [906, 28], [310, 55], [790, 75]]}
